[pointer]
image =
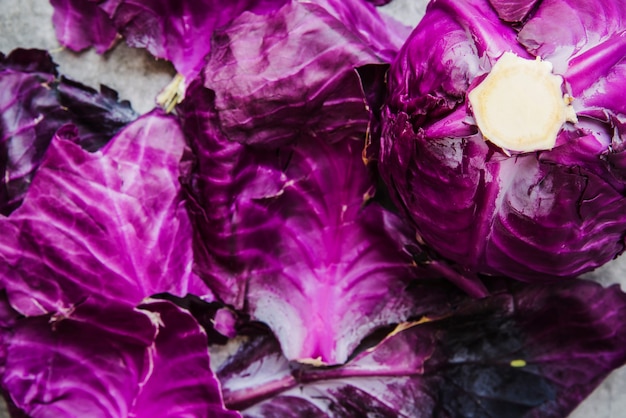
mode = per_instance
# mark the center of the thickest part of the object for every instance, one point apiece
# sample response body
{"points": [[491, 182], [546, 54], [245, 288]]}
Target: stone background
{"points": [[138, 77]]}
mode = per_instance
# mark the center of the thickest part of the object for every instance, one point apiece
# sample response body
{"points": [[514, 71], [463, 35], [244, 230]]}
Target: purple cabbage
{"points": [[182, 31], [97, 235], [263, 97], [291, 235], [524, 351], [279, 254], [533, 216], [109, 225], [285, 225], [379, 2], [80, 24], [36, 102], [110, 360], [179, 31]]}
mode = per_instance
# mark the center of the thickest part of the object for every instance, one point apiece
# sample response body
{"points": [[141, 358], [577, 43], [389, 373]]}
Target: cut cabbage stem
{"points": [[520, 106], [172, 94]]}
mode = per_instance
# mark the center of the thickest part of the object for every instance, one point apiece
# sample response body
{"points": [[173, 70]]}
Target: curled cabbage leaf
{"points": [[292, 73]]}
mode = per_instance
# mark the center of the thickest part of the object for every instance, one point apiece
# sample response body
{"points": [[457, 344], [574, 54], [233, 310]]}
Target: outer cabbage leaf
{"points": [[590, 28], [80, 24], [531, 351], [35, 103], [291, 73], [291, 234], [104, 226], [85, 363], [382, 33], [98, 116], [534, 216], [179, 31], [111, 361], [181, 382], [8, 318]]}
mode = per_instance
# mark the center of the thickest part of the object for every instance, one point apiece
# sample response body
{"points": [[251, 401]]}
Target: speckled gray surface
{"points": [[138, 77], [134, 73]]}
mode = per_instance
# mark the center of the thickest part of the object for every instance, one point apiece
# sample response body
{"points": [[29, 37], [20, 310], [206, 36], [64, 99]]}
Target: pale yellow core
{"points": [[520, 106]]}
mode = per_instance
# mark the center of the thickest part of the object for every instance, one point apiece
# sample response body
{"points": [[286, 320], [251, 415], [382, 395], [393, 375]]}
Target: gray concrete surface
{"points": [[139, 78], [132, 72]]}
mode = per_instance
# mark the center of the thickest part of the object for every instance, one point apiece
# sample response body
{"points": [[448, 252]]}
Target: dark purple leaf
{"points": [[79, 363], [528, 351], [35, 102], [513, 10], [379, 2]]}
